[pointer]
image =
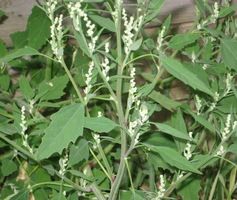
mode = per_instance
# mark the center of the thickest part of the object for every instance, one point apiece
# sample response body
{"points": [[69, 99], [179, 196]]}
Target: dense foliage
{"points": [[88, 111]]}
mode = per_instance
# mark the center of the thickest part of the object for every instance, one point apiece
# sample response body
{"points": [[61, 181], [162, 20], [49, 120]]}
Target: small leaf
{"points": [[179, 41], [164, 101], [99, 124], [2, 13], [174, 159], [154, 9], [104, 22], [229, 52], [25, 88], [136, 45], [26, 51], [175, 68], [8, 167], [165, 128], [3, 49], [5, 81], [66, 126], [79, 152]]}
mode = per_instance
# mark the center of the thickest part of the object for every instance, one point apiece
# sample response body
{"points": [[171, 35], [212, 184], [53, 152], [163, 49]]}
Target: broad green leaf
{"points": [[164, 101], [229, 52], [66, 126], [25, 88], [8, 129], [38, 28], [79, 152], [179, 41], [8, 167], [19, 39], [99, 124], [175, 68], [26, 51], [58, 196], [174, 159], [154, 9], [228, 104], [104, 22], [165, 128], [52, 89], [189, 189], [21, 195]]}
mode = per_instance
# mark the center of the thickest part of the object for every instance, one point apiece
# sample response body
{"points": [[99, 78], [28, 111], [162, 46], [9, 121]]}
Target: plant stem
{"points": [[129, 174], [72, 81], [101, 166]]}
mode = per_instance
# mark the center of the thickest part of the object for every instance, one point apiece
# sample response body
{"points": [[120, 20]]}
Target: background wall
{"points": [[183, 13]]}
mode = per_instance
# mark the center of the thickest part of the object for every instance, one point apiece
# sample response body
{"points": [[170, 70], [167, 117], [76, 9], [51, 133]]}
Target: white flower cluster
{"points": [[105, 63], [221, 151], [133, 88], [161, 192], [131, 25], [187, 151], [89, 76], [76, 13], [24, 127], [97, 140], [57, 36], [226, 131], [160, 38], [216, 99], [198, 103], [50, 8], [31, 106], [193, 57], [63, 163], [136, 124], [216, 12]]}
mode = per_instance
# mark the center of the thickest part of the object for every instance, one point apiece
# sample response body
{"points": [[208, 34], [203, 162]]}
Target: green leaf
{"points": [[82, 44], [174, 159], [165, 128], [79, 152], [25, 88], [154, 9], [104, 22], [175, 68], [227, 10], [190, 188], [66, 126], [179, 41], [164, 101], [5, 81], [19, 39], [81, 175], [38, 28], [228, 104], [233, 148], [8, 167], [26, 51], [99, 124], [136, 45], [52, 89], [229, 52]]}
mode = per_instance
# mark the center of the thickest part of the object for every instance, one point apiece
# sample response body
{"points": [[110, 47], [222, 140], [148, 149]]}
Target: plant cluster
{"points": [[86, 110]]}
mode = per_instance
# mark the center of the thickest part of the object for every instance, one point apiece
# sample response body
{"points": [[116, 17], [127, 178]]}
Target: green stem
{"points": [[72, 81], [106, 163], [101, 166], [129, 175], [213, 188]]}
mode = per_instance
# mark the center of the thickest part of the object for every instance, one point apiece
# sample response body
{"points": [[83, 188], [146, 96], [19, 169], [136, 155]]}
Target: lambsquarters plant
{"points": [[86, 108]]}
